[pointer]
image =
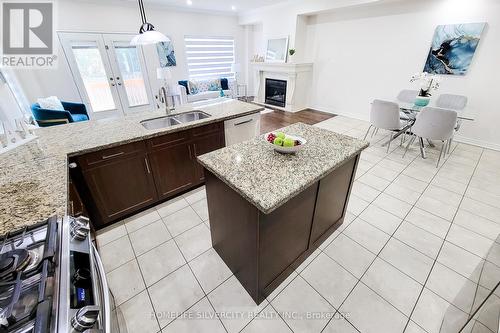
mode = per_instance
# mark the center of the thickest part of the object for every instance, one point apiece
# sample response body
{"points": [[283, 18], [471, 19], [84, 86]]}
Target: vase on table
{"points": [[422, 100]]}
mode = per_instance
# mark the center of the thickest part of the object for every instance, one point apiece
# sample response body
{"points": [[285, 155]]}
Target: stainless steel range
{"points": [[52, 280]]}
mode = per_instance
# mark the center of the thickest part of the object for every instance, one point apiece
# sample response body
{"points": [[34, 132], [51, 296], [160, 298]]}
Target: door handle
{"points": [[105, 157], [244, 122], [147, 164]]}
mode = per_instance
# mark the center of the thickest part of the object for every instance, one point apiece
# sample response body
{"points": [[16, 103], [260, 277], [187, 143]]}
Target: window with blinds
{"points": [[209, 57]]}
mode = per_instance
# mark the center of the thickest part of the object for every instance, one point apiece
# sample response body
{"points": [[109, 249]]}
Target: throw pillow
{"points": [[50, 103], [185, 84], [214, 85], [193, 87], [224, 84]]}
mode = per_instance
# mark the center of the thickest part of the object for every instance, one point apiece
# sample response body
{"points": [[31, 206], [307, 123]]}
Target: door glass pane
{"points": [[93, 73], [130, 68]]}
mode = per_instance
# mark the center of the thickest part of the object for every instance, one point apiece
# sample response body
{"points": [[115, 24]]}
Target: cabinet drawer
{"points": [[168, 140], [110, 154], [207, 129]]}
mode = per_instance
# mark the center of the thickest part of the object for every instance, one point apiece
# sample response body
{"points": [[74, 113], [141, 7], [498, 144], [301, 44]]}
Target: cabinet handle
{"points": [[244, 122], [147, 164], [105, 157], [72, 165]]}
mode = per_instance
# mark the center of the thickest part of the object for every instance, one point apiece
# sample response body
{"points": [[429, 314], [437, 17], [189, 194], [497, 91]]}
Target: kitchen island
{"points": [[268, 211]]}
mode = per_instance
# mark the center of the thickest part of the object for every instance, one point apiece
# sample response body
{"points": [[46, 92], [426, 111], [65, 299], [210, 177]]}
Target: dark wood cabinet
{"points": [[120, 185], [262, 250], [122, 180], [203, 145], [173, 169]]}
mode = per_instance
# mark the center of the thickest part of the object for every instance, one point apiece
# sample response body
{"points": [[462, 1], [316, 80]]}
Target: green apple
{"points": [[280, 135], [288, 142], [278, 141]]}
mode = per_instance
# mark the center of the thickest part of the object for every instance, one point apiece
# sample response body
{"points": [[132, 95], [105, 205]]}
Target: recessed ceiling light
{"points": [[189, 2], [233, 7]]}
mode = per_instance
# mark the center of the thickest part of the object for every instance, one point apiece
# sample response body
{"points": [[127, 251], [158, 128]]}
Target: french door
{"points": [[110, 74]]}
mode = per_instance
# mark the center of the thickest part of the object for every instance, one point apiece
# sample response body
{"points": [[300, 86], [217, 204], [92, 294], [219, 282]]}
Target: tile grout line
{"points": [[201, 287], [391, 236], [145, 285], [142, 274], [442, 244], [376, 256], [417, 250], [160, 244]]}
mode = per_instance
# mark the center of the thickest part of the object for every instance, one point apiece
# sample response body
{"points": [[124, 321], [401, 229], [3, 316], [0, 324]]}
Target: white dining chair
{"points": [[434, 124], [453, 102], [385, 115], [406, 96]]}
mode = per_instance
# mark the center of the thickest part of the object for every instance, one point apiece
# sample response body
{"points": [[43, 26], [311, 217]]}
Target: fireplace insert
{"points": [[276, 92]]}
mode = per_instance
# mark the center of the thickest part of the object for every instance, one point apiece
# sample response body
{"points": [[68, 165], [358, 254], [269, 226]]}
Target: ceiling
{"points": [[221, 6]]}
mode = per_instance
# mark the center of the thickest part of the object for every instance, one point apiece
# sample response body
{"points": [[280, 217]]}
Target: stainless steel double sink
{"points": [[175, 119]]}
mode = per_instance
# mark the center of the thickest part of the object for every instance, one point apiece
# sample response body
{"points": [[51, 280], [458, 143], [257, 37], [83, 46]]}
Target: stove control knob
{"points": [[85, 318], [80, 228]]}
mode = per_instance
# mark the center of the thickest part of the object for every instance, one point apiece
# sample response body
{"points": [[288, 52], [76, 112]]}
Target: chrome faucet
{"points": [[163, 99]]}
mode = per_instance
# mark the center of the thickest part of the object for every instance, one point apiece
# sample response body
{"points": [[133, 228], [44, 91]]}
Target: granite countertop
{"points": [[268, 179], [34, 177]]}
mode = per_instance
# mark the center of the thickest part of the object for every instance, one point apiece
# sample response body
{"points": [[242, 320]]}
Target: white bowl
{"points": [[287, 150]]}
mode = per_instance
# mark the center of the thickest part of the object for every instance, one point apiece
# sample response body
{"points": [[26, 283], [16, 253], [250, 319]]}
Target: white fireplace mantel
{"points": [[297, 76]]}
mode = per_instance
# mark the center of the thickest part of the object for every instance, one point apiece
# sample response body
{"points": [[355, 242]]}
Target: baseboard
{"points": [[338, 113], [478, 143]]}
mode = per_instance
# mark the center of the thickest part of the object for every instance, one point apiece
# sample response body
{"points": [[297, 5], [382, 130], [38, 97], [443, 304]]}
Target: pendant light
{"points": [[147, 33]]}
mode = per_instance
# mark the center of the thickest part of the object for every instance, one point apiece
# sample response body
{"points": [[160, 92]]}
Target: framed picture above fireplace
{"points": [[277, 49]]}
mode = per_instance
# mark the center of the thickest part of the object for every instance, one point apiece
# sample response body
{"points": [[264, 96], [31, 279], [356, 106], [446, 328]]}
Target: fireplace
{"points": [[276, 92]]}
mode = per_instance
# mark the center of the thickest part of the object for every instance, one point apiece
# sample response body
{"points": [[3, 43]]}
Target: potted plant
{"points": [[291, 52], [428, 83]]}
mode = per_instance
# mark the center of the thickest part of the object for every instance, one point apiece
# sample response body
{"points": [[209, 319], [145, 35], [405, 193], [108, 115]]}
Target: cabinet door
{"points": [[121, 186], [203, 145], [173, 169]]}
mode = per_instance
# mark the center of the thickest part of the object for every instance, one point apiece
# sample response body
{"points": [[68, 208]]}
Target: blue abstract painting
{"points": [[166, 54], [453, 48]]}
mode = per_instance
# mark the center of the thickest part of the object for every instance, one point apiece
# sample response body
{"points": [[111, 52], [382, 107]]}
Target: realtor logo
{"points": [[28, 29]]}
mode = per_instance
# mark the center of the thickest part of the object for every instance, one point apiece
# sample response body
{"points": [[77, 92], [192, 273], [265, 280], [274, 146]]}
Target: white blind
{"points": [[209, 57]]}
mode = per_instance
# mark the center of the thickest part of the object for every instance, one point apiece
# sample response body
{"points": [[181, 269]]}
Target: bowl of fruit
{"points": [[284, 143]]}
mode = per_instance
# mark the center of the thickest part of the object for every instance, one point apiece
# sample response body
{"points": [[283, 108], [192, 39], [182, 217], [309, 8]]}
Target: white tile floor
{"points": [[413, 238]]}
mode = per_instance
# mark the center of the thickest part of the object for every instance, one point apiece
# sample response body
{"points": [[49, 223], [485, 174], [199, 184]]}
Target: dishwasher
{"points": [[242, 129]]}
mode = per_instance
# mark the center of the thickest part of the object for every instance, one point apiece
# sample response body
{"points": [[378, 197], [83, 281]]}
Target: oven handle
{"points": [[105, 290]]}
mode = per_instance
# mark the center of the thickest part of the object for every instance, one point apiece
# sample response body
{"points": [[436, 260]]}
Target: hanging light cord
{"points": [[143, 12], [145, 25]]}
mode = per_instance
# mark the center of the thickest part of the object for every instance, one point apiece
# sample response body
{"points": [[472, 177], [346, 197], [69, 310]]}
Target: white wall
{"points": [[370, 52], [285, 19], [124, 17]]}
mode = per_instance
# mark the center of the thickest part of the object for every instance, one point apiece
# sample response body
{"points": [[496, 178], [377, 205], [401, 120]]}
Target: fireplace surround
{"points": [[298, 77]]}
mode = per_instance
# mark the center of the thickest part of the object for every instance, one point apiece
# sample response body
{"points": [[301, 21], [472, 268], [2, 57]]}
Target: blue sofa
{"points": [[73, 112]]}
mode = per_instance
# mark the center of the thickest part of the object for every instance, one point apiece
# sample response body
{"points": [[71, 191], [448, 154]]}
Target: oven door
{"points": [[110, 319]]}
